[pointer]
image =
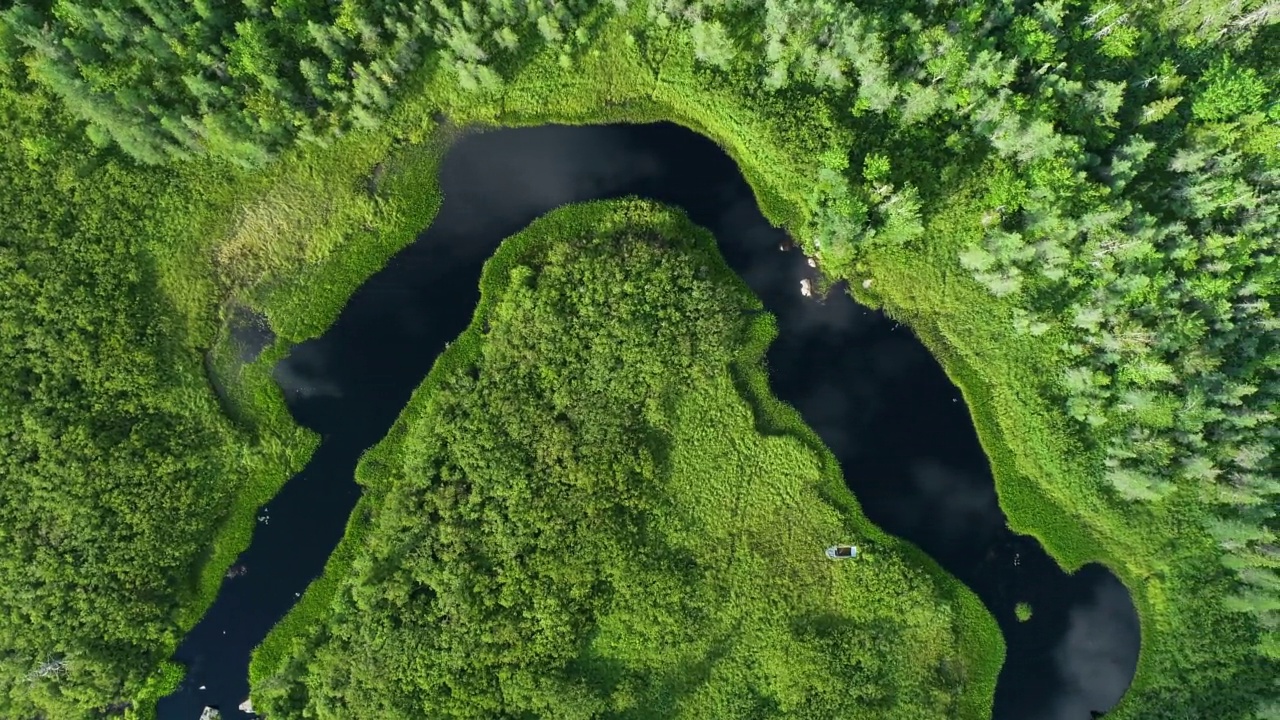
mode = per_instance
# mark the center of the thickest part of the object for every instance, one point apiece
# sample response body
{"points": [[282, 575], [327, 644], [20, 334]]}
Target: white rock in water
{"points": [[805, 289], [247, 706], [210, 714], [813, 263]]}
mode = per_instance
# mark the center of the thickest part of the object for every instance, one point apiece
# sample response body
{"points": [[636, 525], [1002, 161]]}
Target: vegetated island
{"points": [[1072, 203], [1022, 611], [593, 507]]}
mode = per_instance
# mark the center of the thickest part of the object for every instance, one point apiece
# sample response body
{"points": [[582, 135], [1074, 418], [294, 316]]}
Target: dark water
{"points": [[250, 332], [868, 387]]}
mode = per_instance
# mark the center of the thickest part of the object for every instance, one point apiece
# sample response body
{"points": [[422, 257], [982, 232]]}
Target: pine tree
{"points": [[711, 43]]}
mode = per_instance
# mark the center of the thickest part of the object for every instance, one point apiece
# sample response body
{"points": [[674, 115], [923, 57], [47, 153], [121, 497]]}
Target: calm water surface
{"points": [[864, 383]]}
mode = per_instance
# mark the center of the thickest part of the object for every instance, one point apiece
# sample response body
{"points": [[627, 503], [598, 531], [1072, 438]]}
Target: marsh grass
{"points": [[296, 223]]}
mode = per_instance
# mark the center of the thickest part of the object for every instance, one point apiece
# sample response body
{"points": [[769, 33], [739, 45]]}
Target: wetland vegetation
{"points": [[1023, 611], [586, 511], [1074, 204]]}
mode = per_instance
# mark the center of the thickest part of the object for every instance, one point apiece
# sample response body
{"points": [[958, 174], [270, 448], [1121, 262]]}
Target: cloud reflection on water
{"points": [[532, 178], [304, 373], [1096, 656], [955, 504]]}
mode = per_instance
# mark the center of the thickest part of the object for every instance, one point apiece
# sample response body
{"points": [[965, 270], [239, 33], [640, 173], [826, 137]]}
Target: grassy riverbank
{"points": [[728, 522]]}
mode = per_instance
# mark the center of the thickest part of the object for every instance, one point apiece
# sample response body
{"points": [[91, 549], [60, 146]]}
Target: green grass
{"points": [[774, 500]]}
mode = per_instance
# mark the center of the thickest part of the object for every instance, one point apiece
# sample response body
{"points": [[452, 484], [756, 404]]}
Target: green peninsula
{"points": [[593, 507]]}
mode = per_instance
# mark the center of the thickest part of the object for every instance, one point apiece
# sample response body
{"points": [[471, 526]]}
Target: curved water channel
{"points": [[865, 384]]}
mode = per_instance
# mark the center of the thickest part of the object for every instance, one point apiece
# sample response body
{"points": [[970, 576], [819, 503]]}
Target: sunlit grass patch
{"points": [[749, 507], [293, 223]]}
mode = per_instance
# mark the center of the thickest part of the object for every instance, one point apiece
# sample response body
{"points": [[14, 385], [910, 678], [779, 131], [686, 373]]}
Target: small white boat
{"points": [[805, 288], [842, 552]]}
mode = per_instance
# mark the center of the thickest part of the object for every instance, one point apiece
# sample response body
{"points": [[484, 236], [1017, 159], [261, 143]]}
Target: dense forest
{"points": [[1117, 172], [114, 456], [168, 79], [578, 518]]}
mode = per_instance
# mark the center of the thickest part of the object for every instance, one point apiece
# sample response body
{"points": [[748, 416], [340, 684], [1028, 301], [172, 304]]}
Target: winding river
{"points": [[865, 384]]}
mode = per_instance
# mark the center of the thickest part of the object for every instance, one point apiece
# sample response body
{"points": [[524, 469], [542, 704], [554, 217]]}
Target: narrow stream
{"points": [[867, 386]]}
